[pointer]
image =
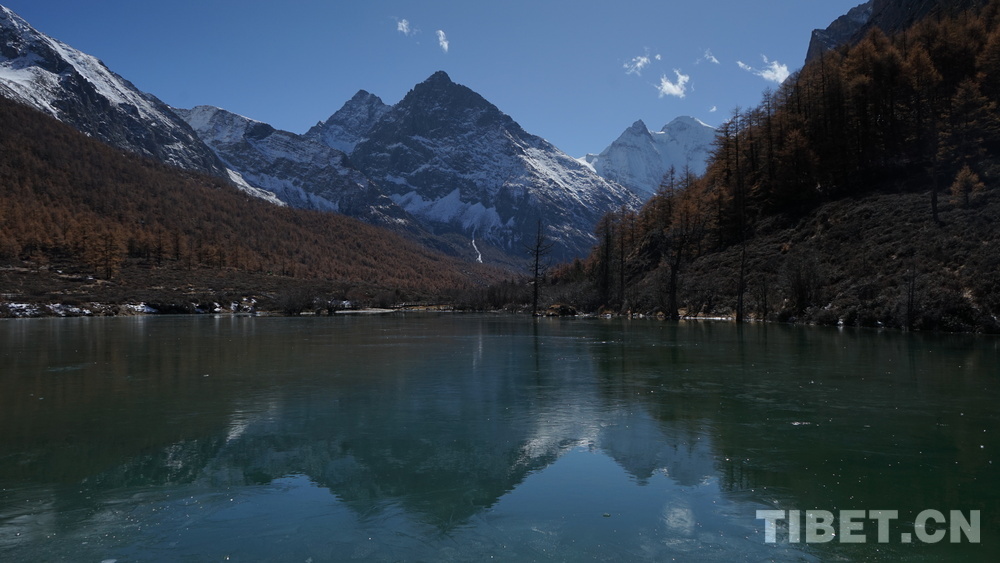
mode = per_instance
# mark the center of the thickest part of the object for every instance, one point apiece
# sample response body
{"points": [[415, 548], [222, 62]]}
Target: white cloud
{"points": [[708, 56], [774, 71], [442, 40], [677, 89], [636, 65], [403, 26], [714, 109]]}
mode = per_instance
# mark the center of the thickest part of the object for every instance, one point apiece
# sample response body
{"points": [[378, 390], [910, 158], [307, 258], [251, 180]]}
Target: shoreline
{"points": [[104, 310]]}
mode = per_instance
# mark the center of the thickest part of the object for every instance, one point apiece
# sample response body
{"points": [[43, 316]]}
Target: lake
{"points": [[452, 437]]}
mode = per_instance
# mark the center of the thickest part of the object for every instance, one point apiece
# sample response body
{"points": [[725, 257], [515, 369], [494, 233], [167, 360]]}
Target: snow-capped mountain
{"points": [[455, 161], [448, 160], [443, 165], [346, 128], [639, 158], [300, 171], [79, 90]]}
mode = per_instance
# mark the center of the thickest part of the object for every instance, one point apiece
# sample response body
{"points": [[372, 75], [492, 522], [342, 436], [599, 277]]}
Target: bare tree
{"points": [[538, 249]]}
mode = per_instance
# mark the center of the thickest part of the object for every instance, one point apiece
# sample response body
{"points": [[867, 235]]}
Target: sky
{"points": [[577, 73]]}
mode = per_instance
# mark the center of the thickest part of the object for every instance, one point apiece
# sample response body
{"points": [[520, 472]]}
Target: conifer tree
{"points": [[966, 183]]}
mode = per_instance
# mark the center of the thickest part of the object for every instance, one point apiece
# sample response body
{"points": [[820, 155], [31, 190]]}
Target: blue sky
{"points": [[574, 72]]}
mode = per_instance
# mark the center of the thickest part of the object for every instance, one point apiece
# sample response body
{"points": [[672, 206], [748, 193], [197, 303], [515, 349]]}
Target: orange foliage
{"points": [[67, 196]]}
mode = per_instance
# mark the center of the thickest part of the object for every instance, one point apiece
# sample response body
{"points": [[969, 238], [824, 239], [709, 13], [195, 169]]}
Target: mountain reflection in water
{"points": [[461, 436]]}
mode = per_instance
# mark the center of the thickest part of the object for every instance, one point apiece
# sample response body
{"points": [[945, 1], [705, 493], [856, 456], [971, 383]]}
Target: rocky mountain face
{"points": [[639, 158], [840, 32], [78, 89], [461, 166], [346, 128], [300, 171], [891, 16]]}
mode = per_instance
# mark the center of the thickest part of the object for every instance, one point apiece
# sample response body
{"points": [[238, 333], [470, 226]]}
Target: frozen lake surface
{"points": [[425, 437]]}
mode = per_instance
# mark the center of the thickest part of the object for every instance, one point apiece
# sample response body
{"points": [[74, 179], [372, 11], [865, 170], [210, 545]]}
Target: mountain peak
{"points": [[683, 123], [439, 77], [438, 106], [638, 127], [350, 124], [364, 97], [639, 157], [636, 135], [439, 84], [7, 14], [8, 17]]}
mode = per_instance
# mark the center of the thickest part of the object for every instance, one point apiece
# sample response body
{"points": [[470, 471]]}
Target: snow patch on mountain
{"points": [[472, 216], [237, 179]]}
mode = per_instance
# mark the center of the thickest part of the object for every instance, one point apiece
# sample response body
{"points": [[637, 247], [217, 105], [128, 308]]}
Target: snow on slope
{"points": [[26, 48], [81, 91]]}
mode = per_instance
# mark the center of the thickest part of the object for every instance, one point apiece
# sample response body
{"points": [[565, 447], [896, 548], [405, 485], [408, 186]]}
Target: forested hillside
{"points": [[863, 191], [108, 219]]}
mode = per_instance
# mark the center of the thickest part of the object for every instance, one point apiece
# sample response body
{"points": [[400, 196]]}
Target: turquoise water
{"points": [[466, 438]]}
